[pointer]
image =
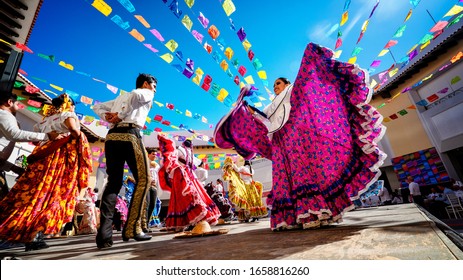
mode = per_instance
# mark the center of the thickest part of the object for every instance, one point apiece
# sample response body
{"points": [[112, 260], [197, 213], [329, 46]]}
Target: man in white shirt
{"points": [[201, 173], [127, 116], [10, 133], [415, 192]]}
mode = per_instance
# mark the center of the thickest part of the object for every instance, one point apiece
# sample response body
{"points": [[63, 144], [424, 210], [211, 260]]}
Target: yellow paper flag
{"points": [[143, 21], [383, 52], [56, 87], [229, 53], [148, 119], [345, 17], [246, 44], [222, 94], [190, 3], [373, 83], [228, 7], [167, 57], [224, 65], [249, 80], [65, 65], [188, 113], [172, 45], [101, 6], [187, 22], [427, 78], [137, 35], [337, 54], [158, 103], [196, 79], [425, 45], [393, 72], [262, 74], [365, 25], [199, 71], [242, 85], [454, 10], [258, 104], [408, 15], [352, 60]]}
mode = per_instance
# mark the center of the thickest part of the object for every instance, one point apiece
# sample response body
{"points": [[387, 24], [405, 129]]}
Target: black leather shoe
{"points": [[102, 244], [142, 237], [36, 245], [138, 237]]}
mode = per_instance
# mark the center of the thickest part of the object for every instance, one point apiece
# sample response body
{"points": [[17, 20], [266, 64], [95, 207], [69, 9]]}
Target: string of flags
{"points": [[393, 41], [344, 19], [434, 97], [212, 31], [434, 32], [357, 49], [229, 8], [187, 71]]}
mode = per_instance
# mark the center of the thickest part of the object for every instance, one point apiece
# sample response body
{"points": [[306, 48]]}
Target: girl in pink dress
{"points": [[189, 201]]}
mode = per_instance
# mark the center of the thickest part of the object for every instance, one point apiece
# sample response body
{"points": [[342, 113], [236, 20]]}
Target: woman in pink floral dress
{"points": [[322, 140]]}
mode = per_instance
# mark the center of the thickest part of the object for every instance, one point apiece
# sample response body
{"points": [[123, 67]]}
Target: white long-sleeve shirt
{"points": [[201, 174], [10, 133], [132, 107]]}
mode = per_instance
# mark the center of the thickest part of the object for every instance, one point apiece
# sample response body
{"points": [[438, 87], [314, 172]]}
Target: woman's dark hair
{"points": [[285, 80], [187, 143], [248, 163], [58, 101], [220, 181], [201, 164], [143, 77]]}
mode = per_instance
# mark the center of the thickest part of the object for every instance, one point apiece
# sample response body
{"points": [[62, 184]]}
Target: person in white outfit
{"points": [[201, 173]]}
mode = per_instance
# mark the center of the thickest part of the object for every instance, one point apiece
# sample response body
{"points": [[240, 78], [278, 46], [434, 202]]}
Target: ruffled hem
{"points": [[367, 125]]}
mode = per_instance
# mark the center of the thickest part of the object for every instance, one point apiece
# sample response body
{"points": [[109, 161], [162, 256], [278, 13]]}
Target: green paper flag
{"points": [[18, 84], [403, 112], [47, 57], [455, 80]]}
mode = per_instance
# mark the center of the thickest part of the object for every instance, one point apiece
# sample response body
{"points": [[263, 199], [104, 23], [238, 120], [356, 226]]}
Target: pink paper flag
{"points": [[391, 43], [157, 35], [439, 26], [149, 46], [338, 43]]}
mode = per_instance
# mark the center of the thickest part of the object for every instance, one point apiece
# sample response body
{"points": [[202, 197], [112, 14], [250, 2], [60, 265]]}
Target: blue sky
{"points": [[78, 34]]}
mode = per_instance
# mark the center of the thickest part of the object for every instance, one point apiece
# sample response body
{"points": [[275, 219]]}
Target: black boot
{"points": [[37, 244]]}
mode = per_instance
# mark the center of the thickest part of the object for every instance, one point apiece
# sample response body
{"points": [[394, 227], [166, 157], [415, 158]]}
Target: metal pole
{"points": [[392, 56], [431, 16]]}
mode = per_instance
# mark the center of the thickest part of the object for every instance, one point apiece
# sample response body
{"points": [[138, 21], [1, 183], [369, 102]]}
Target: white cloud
{"points": [[320, 34]]}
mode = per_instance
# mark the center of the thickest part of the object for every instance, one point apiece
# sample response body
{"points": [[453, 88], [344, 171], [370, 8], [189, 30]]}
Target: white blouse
{"points": [[56, 123]]}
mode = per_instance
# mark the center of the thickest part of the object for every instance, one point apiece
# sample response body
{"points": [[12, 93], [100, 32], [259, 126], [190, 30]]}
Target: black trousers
{"points": [[151, 201], [122, 145]]}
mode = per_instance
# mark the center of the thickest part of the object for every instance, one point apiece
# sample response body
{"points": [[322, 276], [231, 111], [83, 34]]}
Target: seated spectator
{"points": [[458, 191], [396, 198], [365, 202], [384, 196], [438, 204], [431, 197], [374, 200]]}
